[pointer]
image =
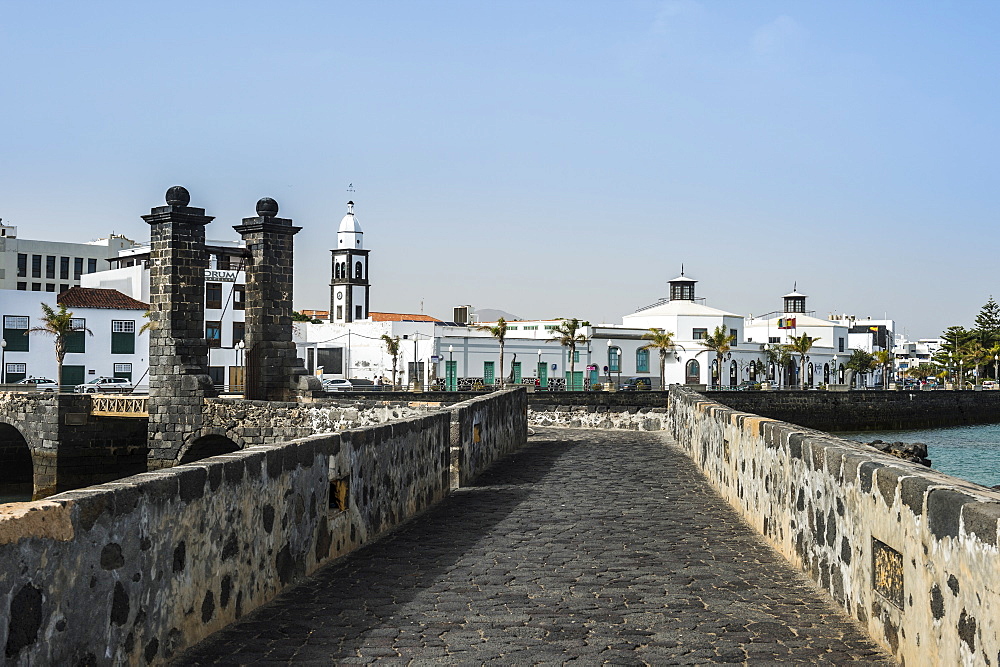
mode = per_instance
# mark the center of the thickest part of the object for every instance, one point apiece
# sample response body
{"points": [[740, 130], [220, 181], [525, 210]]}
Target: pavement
{"points": [[587, 546]]}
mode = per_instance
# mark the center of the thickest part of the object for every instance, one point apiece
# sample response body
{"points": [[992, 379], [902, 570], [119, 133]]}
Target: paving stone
{"points": [[587, 545]]}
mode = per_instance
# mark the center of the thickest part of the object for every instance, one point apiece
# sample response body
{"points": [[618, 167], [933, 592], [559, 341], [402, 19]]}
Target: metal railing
{"points": [[117, 405]]}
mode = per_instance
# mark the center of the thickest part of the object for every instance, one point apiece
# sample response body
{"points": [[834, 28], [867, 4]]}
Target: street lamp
{"points": [[836, 369], [451, 373], [611, 344], [3, 361], [239, 347]]}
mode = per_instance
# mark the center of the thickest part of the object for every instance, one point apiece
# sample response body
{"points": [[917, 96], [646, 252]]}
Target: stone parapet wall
{"points": [[911, 553], [487, 428], [868, 410], [606, 399], [599, 416], [134, 571]]}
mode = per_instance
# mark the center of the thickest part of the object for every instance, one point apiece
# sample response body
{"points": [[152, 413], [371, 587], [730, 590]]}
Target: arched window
{"points": [[642, 361], [734, 374], [692, 372], [336, 271], [809, 374], [614, 354], [826, 373], [357, 270]]}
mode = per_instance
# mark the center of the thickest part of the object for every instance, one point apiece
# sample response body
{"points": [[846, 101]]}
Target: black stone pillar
{"points": [[273, 371], [178, 351]]}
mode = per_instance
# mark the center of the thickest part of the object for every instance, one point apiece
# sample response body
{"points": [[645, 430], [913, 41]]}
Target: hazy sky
{"points": [[547, 158]]}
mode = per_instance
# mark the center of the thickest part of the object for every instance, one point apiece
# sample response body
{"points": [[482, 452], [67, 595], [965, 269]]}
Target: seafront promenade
{"points": [[588, 545]]}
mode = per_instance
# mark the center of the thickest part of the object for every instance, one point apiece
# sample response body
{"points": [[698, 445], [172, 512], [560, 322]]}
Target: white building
{"points": [[52, 266], [349, 286], [115, 348]]}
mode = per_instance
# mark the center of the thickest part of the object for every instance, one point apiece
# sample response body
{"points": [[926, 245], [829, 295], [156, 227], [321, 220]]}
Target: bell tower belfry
{"points": [[349, 275]]}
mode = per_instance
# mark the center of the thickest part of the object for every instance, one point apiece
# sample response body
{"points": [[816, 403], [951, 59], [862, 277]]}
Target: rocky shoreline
{"points": [[915, 452]]}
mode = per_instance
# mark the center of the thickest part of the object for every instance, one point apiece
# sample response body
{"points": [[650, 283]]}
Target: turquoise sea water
{"points": [[969, 452]]}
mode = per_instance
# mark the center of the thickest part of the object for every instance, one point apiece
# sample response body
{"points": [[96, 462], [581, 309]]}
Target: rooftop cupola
{"points": [[794, 301], [349, 235], [682, 287]]}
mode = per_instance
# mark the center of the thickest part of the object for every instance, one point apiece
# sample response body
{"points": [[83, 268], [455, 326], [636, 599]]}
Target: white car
{"points": [[337, 385], [104, 385], [40, 384]]}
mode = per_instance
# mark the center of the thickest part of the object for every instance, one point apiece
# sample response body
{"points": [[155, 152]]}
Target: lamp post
{"points": [[951, 373], [451, 373], [996, 367], [611, 345], [3, 361], [836, 369]]}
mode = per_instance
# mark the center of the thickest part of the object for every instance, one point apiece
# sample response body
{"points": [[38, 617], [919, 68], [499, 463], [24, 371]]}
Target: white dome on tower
{"points": [[349, 223]]}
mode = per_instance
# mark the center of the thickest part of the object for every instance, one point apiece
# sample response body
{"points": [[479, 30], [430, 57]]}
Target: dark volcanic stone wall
{"points": [[911, 553], [867, 410]]}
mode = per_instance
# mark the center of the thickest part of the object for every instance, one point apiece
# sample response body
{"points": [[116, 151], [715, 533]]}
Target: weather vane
{"points": [[350, 187]]}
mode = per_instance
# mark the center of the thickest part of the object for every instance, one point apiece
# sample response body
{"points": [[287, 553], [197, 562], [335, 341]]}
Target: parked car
{"points": [[104, 385], [637, 384], [40, 384], [990, 384], [337, 385]]}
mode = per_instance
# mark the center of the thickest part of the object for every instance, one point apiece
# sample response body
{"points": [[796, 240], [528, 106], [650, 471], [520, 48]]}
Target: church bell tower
{"points": [[349, 286]]}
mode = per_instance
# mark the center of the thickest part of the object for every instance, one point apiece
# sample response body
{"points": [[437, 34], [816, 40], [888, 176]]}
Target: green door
{"points": [[489, 377], [574, 383], [517, 372], [72, 376], [543, 375], [451, 376]]}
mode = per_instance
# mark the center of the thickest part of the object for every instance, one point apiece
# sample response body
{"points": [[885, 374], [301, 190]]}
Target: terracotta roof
{"points": [[90, 297], [401, 317]]}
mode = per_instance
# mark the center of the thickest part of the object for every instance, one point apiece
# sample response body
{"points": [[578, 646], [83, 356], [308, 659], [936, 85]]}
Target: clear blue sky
{"points": [[547, 158]]}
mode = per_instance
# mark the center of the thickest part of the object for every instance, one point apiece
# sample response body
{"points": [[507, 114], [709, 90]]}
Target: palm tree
{"points": [[860, 363], [718, 342], [392, 347], [663, 342], [60, 324], [884, 358], [801, 345], [779, 356], [568, 334], [498, 331]]}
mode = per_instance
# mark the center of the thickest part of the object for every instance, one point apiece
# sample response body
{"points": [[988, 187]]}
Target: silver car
{"points": [[104, 385], [40, 384]]}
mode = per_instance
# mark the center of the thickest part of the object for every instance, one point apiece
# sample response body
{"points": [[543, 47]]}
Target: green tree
{"points": [[956, 350], [569, 335], [988, 324], [58, 324], [498, 331], [392, 348], [780, 356], [663, 342], [860, 363], [801, 345], [884, 358], [719, 342], [923, 371], [299, 317]]}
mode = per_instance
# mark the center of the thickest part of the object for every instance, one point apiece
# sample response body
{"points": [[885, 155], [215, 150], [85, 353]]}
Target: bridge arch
{"points": [[208, 442], [17, 468]]}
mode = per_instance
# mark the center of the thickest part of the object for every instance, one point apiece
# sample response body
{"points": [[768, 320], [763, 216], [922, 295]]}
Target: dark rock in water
{"points": [[915, 452]]}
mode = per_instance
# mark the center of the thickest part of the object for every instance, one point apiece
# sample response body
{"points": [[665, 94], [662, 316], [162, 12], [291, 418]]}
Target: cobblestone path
{"points": [[593, 546]]}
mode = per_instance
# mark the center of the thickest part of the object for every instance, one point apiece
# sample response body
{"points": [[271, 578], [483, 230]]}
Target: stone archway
{"points": [[17, 469], [208, 444]]}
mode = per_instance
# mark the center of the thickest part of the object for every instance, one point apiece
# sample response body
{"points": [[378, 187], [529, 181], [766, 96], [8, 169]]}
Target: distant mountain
{"points": [[493, 314]]}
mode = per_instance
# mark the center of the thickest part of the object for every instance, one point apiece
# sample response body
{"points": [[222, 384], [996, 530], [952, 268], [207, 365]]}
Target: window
{"points": [[735, 335], [682, 292], [50, 287], [76, 341], [340, 312], [22, 265], [77, 267], [36, 287], [36, 266], [50, 267], [213, 334], [549, 327], [774, 339], [122, 336], [218, 375], [531, 327], [213, 295], [15, 372], [91, 265], [840, 344], [22, 286], [359, 312], [642, 361], [511, 328], [357, 270], [614, 354], [239, 331], [489, 375], [63, 288], [576, 356], [123, 371], [15, 328], [222, 262], [699, 334], [64, 268], [239, 297]]}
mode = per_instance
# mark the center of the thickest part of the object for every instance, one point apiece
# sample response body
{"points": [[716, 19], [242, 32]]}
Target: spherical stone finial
{"points": [[178, 196], [267, 207]]}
